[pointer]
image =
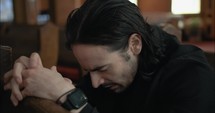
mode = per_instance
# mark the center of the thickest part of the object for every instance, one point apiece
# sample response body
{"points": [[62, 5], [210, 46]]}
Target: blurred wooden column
{"points": [[154, 5], [49, 44], [60, 9], [26, 11], [208, 17]]}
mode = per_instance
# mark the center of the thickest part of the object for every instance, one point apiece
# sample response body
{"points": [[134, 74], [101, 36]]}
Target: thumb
{"points": [[24, 93], [35, 61], [68, 80], [54, 68]]}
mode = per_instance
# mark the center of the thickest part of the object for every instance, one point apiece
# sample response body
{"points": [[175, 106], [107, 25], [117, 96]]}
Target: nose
{"points": [[96, 79]]}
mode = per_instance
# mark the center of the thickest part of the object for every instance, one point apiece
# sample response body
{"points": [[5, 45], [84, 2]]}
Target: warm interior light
{"points": [[6, 10], [133, 1], [186, 6]]}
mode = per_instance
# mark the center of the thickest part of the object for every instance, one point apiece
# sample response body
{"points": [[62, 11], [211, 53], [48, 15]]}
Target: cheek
{"points": [[110, 75], [114, 74], [125, 73]]}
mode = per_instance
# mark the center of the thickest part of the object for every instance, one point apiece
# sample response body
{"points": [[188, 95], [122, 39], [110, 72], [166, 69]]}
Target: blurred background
{"points": [[38, 26]]}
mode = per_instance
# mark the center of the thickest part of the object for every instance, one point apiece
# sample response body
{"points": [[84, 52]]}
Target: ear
{"points": [[135, 43]]}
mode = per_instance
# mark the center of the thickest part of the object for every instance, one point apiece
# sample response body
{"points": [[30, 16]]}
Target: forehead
{"points": [[83, 49], [91, 56], [90, 53]]}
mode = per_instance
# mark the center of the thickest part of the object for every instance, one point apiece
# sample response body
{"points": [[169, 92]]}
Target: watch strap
{"points": [[58, 100], [67, 105], [75, 100]]}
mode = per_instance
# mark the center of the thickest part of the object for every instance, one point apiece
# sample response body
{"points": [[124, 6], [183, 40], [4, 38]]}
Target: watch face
{"points": [[77, 98]]}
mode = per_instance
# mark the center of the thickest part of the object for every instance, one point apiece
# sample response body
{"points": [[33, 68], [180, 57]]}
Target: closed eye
{"points": [[102, 70], [99, 69]]}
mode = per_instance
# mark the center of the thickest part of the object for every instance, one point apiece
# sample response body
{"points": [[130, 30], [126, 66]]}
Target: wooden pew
{"points": [[25, 39]]}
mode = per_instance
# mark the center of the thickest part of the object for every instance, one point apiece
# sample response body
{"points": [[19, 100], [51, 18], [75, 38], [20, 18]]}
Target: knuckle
{"points": [[25, 82], [17, 64], [30, 72], [26, 92], [21, 58]]}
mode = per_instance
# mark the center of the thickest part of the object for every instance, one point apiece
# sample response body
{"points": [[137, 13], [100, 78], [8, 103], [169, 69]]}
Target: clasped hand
{"points": [[29, 78]]}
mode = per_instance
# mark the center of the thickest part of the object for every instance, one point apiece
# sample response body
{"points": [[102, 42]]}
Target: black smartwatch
{"points": [[75, 100]]}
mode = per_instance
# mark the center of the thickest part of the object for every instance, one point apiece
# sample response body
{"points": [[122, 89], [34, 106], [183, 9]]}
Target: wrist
{"points": [[62, 90]]}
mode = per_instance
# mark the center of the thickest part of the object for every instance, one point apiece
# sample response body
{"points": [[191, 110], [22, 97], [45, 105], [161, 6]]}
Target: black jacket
{"points": [[183, 83]]}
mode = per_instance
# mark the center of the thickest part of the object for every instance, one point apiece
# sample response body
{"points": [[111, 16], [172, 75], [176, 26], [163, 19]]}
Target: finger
{"points": [[23, 60], [15, 90], [68, 80], [7, 86], [35, 61], [14, 100], [17, 70], [20, 64], [25, 74], [54, 68], [7, 76], [25, 93]]}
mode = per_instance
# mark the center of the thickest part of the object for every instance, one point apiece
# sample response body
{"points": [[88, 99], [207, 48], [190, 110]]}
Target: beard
{"points": [[128, 75]]}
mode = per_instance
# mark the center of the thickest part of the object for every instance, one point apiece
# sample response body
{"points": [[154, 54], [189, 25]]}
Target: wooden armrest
{"points": [[38, 105]]}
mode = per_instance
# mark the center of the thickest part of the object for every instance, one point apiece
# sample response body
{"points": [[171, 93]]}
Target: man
{"points": [[132, 67]]}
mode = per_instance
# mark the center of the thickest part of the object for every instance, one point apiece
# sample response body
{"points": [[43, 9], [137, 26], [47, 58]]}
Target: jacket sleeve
{"points": [[86, 87], [89, 109]]}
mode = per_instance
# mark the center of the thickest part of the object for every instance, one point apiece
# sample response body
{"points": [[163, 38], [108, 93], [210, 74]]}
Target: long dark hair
{"points": [[110, 23]]}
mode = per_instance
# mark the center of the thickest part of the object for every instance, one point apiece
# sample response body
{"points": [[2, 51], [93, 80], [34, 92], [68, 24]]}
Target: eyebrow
{"points": [[96, 68]]}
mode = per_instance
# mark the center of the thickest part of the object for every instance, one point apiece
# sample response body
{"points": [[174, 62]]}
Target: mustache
{"points": [[109, 85]]}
